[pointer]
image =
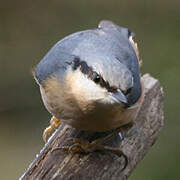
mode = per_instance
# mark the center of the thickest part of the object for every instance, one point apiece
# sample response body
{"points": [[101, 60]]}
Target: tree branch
{"points": [[102, 165]]}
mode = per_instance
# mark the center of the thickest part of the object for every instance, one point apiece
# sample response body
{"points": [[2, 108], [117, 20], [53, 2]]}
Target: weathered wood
{"points": [[102, 165]]}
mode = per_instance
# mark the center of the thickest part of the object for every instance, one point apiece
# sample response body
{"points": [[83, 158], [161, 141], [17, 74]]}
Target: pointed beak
{"points": [[118, 97]]}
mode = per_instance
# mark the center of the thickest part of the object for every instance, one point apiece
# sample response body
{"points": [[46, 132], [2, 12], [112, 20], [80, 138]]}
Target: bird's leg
{"points": [[82, 146], [54, 123]]}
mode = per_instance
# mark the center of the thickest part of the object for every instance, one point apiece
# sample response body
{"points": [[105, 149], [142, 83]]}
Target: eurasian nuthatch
{"points": [[91, 79]]}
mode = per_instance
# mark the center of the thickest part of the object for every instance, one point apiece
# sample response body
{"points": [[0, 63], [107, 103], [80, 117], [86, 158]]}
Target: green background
{"points": [[28, 29]]}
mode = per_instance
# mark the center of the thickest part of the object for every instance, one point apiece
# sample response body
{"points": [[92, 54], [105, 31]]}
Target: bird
{"points": [[91, 81]]}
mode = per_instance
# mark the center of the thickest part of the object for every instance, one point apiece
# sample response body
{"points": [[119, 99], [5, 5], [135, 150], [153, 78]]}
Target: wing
{"points": [[56, 60]]}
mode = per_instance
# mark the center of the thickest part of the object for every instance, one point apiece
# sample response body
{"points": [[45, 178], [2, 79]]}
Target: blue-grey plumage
{"points": [[67, 76]]}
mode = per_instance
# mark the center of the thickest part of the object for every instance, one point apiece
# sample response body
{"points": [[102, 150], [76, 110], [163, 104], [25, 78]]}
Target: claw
{"points": [[75, 148], [54, 123], [78, 141], [47, 132], [82, 146]]}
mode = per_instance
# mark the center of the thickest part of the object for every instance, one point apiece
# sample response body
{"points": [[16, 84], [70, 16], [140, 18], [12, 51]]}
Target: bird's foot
{"points": [[78, 146], [54, 123], [83, 146]]}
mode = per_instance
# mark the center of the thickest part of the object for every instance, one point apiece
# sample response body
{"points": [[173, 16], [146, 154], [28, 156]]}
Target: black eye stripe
{"points": [[127, 92], [97, 78], [85, 69]]}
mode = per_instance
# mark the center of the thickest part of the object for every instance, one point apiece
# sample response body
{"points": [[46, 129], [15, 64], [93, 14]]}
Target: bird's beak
{"points": [[118, 97]]}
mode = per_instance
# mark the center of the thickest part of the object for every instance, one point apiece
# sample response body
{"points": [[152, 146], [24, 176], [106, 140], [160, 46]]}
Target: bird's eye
{"points": [[96, 77]]}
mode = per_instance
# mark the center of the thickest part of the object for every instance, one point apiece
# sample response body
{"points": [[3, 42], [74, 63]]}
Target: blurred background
{"points": [[28, 29]]}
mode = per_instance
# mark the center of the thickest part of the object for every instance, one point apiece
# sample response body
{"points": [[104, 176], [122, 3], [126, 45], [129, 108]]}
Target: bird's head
{"points": [[93, 68], [105, 82]]}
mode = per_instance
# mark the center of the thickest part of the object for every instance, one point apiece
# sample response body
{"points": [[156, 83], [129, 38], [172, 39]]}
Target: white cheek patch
{"points": [[88, 89], [85, 91]]}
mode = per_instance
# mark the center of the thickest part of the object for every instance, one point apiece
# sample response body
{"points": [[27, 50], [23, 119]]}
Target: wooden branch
{"points": [[59, 165]]}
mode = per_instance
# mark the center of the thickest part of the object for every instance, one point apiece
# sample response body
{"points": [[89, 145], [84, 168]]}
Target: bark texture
{"points": [[59, 165]]}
